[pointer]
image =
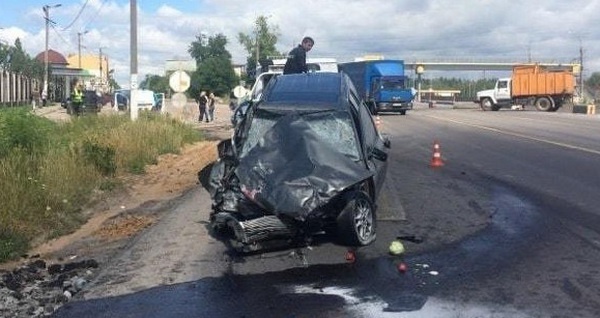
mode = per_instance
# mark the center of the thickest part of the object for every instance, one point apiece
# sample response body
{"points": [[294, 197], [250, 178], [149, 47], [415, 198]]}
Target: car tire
{"points": [[544, 104], [486, 104], [356, 222]]}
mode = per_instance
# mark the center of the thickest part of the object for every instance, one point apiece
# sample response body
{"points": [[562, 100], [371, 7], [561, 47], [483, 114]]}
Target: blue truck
{"points": [[381, 84]]}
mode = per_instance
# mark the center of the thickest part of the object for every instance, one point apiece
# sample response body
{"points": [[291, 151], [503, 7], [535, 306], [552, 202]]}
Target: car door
{"points": [[373, 145], [503, 90]]}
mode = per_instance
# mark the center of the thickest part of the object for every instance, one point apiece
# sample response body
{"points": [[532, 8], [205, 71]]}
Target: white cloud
{"points": [[344, 29]]}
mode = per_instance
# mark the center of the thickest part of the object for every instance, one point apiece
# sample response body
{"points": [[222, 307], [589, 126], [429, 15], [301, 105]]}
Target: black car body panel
{"points": [[293, 157]]}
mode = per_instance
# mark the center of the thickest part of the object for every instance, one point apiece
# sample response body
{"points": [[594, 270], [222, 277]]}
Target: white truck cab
{"points": [[499, 95]]}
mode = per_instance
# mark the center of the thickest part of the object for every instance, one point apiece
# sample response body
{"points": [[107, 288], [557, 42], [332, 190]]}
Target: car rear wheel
{"points": [[544, 104], [356, 222]]}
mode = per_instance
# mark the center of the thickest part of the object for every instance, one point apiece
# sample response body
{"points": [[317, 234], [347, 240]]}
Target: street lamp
{"points": [[46, 9], [419, 70], [79, 34]]}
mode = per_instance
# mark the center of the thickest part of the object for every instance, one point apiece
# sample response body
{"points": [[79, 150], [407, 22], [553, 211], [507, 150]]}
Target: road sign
{"points": [[239, 91], [179, 100], [179, 81]]}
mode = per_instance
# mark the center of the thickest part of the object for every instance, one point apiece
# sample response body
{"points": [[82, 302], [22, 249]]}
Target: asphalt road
{"points": [[509, 227]]}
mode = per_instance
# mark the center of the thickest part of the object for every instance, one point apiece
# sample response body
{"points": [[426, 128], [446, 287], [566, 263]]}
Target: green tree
{"points": [[214, 70], [112, 83], [4, 56], [156, 83], [19, 60], [593, 82], [468, 88], [264, 38]]}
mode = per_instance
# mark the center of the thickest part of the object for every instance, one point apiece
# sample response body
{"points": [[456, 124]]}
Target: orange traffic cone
{"points": [[436, 160]]}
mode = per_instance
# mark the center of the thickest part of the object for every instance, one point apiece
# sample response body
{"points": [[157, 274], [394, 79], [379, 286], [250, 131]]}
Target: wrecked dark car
{"points": [[306, 159]]}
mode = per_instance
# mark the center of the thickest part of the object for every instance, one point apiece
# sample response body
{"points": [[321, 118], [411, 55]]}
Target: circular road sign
{"points": [[239, 91], [179, 100], [179, 81]]}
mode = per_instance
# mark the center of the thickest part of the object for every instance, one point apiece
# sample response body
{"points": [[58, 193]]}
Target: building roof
{"points": [[53, 57]]}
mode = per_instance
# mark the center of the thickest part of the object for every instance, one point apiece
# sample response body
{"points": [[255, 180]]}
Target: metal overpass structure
{"points": [[420, 66]]}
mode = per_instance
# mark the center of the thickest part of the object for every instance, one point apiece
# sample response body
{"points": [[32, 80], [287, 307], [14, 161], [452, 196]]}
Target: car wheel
{"points": [[544, 104], [356, 222], [486, 104]]}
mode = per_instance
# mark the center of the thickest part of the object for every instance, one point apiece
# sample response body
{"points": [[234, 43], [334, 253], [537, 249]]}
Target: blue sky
{"points": [[545, 30]]}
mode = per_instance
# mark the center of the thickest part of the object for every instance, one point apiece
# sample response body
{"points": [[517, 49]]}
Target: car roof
{"points": [[323, 90]]}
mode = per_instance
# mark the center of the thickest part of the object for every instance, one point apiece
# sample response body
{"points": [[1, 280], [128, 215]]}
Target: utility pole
{"points": [[79, 34], [582, 92], [133, 59], [100, 66], [46, 9]]}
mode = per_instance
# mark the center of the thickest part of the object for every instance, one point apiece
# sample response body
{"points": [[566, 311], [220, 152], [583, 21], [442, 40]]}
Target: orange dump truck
{"points": [[545, 88]]}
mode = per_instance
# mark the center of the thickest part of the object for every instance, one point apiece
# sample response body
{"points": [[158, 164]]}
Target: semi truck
{"points": [[381, 84], [530, 84]]}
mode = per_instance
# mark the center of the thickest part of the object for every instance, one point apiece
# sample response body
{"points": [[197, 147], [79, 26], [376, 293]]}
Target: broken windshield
{"points": [[333, 128]]}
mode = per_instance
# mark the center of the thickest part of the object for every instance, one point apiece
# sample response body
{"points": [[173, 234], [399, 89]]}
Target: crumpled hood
{"points": [[290, 171]]}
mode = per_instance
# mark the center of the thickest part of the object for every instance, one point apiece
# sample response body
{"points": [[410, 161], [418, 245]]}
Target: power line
{"points": [[77, 16], [96, 14], [60, 35]]}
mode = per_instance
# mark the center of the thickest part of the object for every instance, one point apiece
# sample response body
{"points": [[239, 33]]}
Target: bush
{"points": [[102, 157], [21, 129], [11, 244]]}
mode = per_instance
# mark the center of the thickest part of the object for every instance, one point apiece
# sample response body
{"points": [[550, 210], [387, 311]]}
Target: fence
{"points": [[16, 89]]}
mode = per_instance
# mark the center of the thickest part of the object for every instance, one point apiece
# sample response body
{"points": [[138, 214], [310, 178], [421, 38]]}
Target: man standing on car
{"points": [[296, 60]]}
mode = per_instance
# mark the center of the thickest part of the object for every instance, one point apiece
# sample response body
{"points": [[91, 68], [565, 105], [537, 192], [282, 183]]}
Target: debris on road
{"points": [[411, 238], [37, 289], [396, 248], [402, 267], [350, 256]]}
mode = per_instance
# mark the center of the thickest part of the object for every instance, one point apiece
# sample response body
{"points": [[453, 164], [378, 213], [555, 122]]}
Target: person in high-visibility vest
{"points": [[76, 97]]}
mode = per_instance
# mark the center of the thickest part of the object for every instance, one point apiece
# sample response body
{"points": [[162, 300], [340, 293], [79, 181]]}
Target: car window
{"points": [[298, 89], [368, 129]]}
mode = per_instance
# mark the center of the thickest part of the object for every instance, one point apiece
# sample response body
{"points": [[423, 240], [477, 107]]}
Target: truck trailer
{"points": [[532, 84], [381, 84]]}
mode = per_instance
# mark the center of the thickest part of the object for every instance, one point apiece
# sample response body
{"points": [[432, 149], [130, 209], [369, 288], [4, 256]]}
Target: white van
{"points": [[145, 99]]}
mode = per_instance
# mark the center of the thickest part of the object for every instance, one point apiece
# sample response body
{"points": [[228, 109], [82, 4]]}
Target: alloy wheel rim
{"points": [[363, 221]]}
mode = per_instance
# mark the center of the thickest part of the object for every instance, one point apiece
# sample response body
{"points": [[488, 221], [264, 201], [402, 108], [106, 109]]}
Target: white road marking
{"points": [[496, 130]]}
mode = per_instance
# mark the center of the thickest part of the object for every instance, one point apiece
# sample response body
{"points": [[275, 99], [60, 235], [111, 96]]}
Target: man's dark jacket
{"points": [[296, 61]]}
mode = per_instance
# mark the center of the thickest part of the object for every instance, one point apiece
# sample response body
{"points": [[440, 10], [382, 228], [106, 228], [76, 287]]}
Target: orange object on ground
{"points": [[436, 160]]}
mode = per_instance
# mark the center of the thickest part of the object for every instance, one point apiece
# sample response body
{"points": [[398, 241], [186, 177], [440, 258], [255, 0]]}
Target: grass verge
{"points": [[50, 171]]}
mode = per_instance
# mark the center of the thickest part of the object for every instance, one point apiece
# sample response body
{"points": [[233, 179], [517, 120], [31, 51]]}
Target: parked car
{"points": [[146, 99], [92, 104], [304, 159]]}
